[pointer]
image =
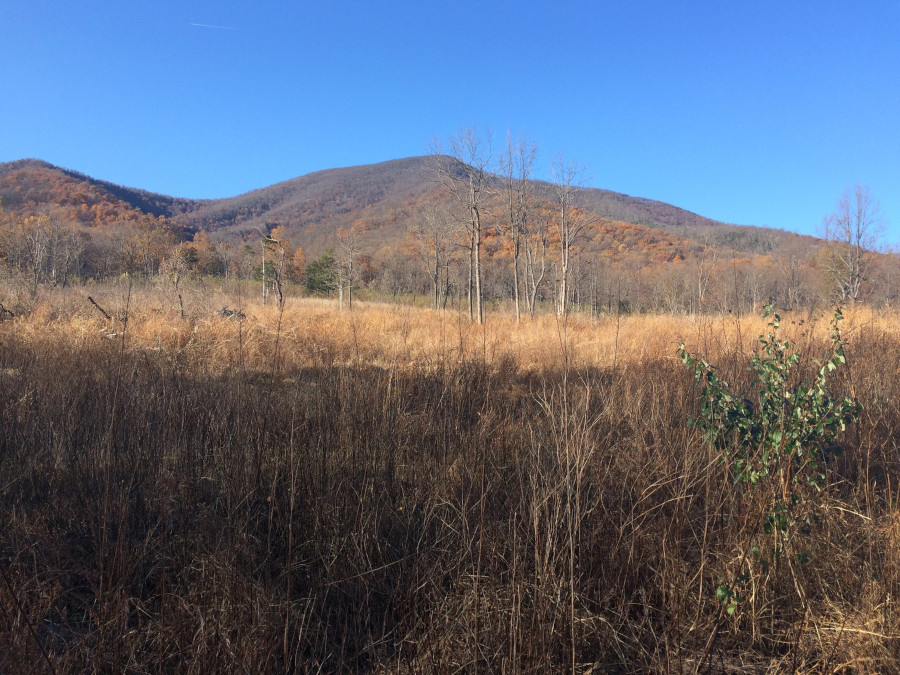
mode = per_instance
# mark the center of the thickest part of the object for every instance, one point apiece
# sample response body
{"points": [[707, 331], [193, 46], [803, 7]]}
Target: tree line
{"points": [[491, 236]]}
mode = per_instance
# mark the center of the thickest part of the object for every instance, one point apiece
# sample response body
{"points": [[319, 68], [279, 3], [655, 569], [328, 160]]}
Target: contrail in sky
{"points": [[206, 25]]}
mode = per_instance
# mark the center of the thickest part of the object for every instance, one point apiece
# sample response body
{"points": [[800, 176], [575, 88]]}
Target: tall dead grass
{"points": [[312, 332], [397, 490]]}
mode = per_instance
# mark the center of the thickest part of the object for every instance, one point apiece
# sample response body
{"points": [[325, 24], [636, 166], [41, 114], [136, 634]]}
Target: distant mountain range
{"points": [[388, 198]]}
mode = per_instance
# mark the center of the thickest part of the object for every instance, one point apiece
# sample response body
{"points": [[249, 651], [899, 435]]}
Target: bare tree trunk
{"points": [[534, 276], [350, 241], [516, 284], [436, 281], [567, 182], [516, 166], [265, 289], [350, 285], [854, 231], [471, 277], [464, 176], [476, 228]]}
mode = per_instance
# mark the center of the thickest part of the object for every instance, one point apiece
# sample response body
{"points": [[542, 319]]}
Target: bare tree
{"points": [[705, 266], [225, 253], [37, 238], [174, 266], [48, 245], [464, 174], [793, 280], [854, 232], [272, 266], [516, 169], [535, 240], [431, 238], [349, 241], [71, 244], [567, 181]]}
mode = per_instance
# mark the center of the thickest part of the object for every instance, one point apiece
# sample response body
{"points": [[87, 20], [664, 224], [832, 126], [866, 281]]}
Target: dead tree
{"points": [[464, 174], [516, 169], [853, 232], [431, 238], [567, 182]]}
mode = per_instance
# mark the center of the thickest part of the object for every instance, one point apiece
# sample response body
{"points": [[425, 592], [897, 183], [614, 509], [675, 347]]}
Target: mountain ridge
{"points": [[389, 196]]}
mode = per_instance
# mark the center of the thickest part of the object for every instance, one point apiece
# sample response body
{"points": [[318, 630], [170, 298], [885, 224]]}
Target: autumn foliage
{"points": [[58, 227]]}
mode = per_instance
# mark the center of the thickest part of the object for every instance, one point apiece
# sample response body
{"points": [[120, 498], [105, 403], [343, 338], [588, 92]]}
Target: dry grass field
{"points": [[394, 489]]}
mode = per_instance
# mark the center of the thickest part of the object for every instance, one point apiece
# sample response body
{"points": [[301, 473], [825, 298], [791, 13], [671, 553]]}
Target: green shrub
{"points": [[777, 440]]}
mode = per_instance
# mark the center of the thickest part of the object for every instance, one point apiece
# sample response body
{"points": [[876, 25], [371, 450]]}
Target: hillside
{"points": [[390, 194], [386, 198], [634, 252], [30, 186], [316, 197]]}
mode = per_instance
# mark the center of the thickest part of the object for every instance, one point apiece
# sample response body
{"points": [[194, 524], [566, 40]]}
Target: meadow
{"points": [[394, 489]]}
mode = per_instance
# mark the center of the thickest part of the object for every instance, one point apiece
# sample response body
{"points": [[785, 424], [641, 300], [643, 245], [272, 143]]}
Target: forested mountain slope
{"points": [[388, 197], [653, 254]]}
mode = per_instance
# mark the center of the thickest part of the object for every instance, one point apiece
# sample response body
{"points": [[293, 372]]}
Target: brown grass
{"points": [[312, 332], [397, 490]]}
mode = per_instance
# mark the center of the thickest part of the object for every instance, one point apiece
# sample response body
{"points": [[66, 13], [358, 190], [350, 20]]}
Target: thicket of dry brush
{"points": [[394, 490]]}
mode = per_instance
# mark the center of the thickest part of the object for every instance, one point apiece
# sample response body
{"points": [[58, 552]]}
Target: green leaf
{"points": [[722, 593]]}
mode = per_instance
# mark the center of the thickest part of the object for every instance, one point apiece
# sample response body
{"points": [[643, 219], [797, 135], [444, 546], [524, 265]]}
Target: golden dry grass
{"points": [[415, 493], [313, 331]]}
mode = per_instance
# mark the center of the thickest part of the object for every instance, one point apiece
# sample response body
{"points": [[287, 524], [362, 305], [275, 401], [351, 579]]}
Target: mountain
{"points": [[29, 186], [314, 206], [324, 194], [387, 198], [390, 195]]}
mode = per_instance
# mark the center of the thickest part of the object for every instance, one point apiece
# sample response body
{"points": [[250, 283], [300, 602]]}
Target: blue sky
{"points": [[755, 113]]}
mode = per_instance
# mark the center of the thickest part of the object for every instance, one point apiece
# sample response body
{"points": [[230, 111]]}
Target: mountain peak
{"points": [[28, 163]]}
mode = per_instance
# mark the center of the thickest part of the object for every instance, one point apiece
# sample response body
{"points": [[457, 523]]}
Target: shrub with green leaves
{"points": [[776, 438]]}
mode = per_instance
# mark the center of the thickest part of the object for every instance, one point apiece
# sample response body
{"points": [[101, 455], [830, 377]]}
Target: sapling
{"points": [[777, 440]]}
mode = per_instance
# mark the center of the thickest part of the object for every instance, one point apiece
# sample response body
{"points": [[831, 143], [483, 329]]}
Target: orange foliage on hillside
{"points": [[26, 191]]}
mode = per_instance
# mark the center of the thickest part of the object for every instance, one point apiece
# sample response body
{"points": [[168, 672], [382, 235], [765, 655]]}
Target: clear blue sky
{"points": [[755, 113]]}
